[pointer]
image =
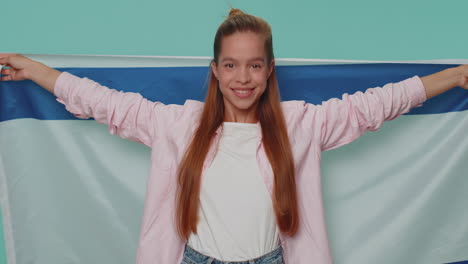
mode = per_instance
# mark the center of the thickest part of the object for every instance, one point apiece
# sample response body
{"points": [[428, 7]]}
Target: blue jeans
{"points": [[191, 256]]}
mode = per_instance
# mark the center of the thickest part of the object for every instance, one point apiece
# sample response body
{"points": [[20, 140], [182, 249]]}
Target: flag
{"points": [[72, 193]]}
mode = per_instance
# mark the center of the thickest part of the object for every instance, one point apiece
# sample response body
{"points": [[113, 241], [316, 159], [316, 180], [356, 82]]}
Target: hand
{"points": [[463, 76], [445, 80], [20, 67]]}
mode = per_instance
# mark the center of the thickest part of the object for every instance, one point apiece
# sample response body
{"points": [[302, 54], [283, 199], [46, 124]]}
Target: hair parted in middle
{"points": [[274, 136]]}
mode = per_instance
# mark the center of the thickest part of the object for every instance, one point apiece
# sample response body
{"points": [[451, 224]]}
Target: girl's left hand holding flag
{"points": [[442, 81]]}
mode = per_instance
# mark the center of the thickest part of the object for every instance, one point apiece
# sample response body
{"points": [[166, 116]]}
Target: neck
{"points": [[241, 116]]}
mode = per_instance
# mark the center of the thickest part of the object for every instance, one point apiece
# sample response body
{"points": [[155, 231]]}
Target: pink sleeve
{"points": [[342, 121], [127, 114]]}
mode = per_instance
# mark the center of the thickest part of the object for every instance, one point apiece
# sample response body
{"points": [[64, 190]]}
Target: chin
{"points": [[245, 106]]}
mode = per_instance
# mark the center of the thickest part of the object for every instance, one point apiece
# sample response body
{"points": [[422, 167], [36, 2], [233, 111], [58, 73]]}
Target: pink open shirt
{"points": [[167, 129]]}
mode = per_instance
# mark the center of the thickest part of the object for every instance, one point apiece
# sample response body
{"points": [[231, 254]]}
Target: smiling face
{"points": [[242, 70]]}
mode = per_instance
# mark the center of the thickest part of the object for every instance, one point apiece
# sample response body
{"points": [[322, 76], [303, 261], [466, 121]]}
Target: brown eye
{"points": [[229, 65]]}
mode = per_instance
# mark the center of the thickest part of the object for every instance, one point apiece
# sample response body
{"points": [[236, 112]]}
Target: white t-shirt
{"points": [[237, 220]]}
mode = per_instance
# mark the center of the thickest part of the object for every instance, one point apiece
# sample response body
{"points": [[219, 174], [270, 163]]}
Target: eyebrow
{"points": [[253, 59]]}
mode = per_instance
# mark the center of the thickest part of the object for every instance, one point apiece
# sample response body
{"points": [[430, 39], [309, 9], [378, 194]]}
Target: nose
{"points": [[243, 75]]}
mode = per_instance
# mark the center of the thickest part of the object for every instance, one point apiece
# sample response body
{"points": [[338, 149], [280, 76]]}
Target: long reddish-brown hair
{"points": [[274, 133]]}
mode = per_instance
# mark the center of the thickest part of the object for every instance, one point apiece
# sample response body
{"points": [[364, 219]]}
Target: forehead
{"points": [[243, 46]]}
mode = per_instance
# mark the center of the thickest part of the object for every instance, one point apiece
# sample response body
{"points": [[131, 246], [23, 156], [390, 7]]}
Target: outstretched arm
{"points": [[445, 80], [127, 114], [343, 121]]}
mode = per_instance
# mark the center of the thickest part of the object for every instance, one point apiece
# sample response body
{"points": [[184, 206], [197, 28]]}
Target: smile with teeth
{"points": [[243, 93]]}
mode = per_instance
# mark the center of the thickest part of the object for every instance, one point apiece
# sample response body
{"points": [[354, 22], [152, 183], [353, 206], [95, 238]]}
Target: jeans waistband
{"points": [[198, 257]]}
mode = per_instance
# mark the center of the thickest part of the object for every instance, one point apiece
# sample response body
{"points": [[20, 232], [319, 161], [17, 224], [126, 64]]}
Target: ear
{"points": [[272, 66], [214, 67]]}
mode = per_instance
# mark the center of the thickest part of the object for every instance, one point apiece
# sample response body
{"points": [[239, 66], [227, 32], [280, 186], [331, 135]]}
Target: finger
{"points": [[7, 54], [4, 60], [5, 78], [6, 72]]}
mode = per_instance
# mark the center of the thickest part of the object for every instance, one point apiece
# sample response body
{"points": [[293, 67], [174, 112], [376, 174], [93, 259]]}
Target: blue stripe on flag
{"points": [[173, 85]]}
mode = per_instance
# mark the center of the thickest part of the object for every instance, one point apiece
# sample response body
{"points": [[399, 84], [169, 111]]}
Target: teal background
{"points": [[374, 30], [364, 30]]}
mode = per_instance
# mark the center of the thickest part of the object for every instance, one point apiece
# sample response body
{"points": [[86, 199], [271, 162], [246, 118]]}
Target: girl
{"points": [[235, 179]]}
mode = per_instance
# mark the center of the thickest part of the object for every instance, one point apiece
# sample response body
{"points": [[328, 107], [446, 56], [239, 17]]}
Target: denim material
{"points": [[191, 256]]}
